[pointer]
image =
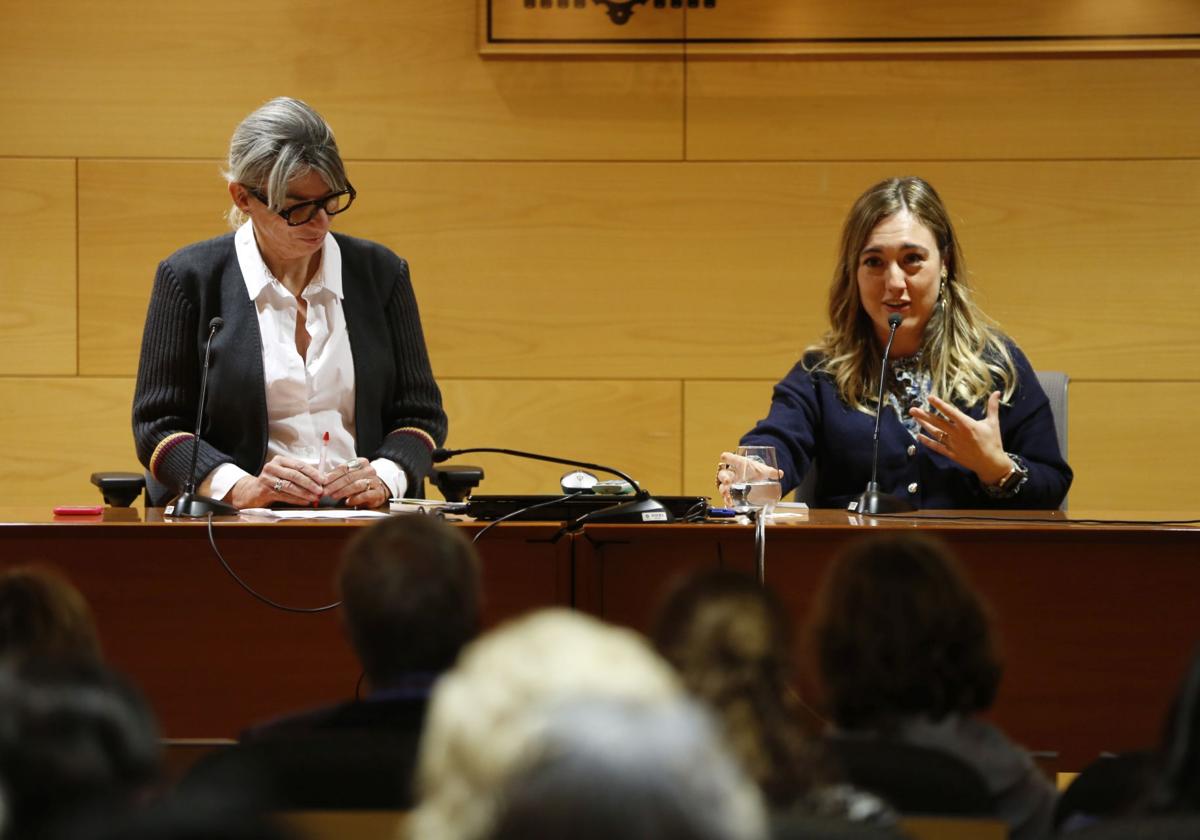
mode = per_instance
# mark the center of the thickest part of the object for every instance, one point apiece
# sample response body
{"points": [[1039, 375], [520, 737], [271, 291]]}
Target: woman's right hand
{"points": [[282, 479], [732, 466]]}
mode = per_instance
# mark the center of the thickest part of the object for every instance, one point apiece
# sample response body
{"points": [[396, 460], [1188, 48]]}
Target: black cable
{"points": [[213, 542], [518, 512]]}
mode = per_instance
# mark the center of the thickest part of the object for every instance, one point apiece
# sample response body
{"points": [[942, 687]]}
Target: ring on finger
{"points": [[278, 485]]}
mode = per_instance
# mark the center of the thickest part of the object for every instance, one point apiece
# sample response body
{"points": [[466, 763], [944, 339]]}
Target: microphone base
{"points": [[193, 506], [640, 509], [874, 501]]}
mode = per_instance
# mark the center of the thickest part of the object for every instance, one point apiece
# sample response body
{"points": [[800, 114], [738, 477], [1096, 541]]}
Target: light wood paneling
{"points": [[395, 78], [1123, 460], [132, 214], [942, 19], [716, 413], [634, 270], [59, 431], [633, 426], [1133, 445], [37, 267], [943, 109]]}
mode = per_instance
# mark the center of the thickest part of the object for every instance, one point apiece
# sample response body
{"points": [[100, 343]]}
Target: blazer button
{"points": [[912, 488], [912, 450]]}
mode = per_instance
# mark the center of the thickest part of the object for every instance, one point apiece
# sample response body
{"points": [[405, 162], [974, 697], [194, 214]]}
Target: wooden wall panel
{"points": [[943, 109], [60, 431], [37, 267], [1133, 446], [132, 214], [395, 78], [634, 270], [1124, 459], [633, 426], [942, 19]]}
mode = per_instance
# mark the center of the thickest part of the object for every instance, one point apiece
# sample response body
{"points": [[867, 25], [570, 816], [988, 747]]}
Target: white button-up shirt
{"points": [[308, 396]]}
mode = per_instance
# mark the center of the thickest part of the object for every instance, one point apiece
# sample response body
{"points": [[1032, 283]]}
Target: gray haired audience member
{"points": [[75, 739], [606, 769], [489, 714]]}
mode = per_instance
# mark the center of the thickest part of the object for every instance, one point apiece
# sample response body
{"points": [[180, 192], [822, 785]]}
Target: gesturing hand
{"points": [[974, 444]]}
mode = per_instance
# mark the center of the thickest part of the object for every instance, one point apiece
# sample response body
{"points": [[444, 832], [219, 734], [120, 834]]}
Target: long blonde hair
{"points": [[962, 349]]}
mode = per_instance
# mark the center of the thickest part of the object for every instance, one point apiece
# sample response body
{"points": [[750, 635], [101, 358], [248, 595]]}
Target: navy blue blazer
{"points": [[809, 422]]}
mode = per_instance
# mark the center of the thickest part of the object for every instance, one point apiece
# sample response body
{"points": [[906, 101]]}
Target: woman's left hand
{"points": [[974, 444], [357, 482]]}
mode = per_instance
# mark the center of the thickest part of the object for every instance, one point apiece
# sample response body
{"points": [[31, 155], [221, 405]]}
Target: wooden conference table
{"points": [[1097, 621]]}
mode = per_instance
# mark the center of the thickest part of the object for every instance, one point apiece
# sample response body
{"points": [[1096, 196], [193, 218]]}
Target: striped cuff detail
{"points": [[164, 446], [419, 433]]}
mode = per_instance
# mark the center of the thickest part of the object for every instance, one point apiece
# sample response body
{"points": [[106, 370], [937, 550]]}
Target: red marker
{"points": [[324, 458]]}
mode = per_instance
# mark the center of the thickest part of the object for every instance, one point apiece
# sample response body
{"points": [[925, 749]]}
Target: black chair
{"points": [[915, 780], [1108, 787]]}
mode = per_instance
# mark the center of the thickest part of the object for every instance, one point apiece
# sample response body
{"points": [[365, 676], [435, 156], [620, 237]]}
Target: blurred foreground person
{"points": [[44, 617], [489, 715], [905, 651]]}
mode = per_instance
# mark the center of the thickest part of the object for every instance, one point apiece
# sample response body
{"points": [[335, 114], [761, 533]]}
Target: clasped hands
{"points": [[289, 481]]}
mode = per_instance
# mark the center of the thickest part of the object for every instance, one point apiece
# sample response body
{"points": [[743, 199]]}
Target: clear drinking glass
{"points": [[753, 487]]}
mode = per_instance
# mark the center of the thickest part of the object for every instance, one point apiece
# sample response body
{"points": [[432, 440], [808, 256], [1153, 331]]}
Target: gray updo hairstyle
{"points": [[283, 140]]}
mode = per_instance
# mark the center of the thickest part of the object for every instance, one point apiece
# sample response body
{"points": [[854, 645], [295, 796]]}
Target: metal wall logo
{"points": [[619, 11]]}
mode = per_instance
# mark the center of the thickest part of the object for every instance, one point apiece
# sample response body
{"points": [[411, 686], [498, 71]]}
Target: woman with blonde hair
{"points": [[965, 423]]}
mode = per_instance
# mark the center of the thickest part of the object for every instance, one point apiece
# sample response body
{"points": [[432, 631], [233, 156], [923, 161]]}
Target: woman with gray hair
{"points": [[320, 384]]}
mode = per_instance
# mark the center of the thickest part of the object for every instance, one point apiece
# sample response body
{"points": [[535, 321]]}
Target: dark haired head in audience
{"points": [[602, 769], [905, 650], [1176, 785], [410, 590], [42, 616], [899, 632], [73, 737], [730, 640]]}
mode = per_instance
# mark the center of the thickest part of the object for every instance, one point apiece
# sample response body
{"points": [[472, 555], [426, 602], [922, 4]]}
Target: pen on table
{"points": [[324, 459]]}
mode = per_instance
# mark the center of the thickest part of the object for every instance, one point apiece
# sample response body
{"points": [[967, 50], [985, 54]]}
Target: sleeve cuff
{"points": [[218, 483], [391, 474]]}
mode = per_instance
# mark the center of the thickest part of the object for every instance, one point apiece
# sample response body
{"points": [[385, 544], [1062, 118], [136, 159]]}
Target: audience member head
{"points": [[42, 616], [1176, 787], [411, 593], [73, 736], [608, 768], [486, 712], [730, 639], [899, 632]]}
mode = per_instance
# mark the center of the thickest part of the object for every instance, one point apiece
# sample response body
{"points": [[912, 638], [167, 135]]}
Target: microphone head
{"points": [[440, 454], [895, 319], [216, 324]]}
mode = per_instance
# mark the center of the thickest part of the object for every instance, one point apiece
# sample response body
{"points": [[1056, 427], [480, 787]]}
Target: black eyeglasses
{"points": [[303, 213]]}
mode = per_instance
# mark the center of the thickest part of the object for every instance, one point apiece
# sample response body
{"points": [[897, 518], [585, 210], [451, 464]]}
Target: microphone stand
{"points": [[872, 499], [190, 504], [641, 508]]}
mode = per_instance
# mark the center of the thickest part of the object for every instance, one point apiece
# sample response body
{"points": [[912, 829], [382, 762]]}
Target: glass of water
{"points": [[754, 485]]}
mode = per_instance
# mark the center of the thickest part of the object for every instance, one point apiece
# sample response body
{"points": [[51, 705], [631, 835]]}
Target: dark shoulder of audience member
{"points": [[76, 737], [898, 632], [43, 616], [730, 639], [1175, 785], [411, 594], [183, 816]]}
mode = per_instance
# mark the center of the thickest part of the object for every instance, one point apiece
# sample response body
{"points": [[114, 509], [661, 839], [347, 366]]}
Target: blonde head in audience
{"points": [[486, 714]]}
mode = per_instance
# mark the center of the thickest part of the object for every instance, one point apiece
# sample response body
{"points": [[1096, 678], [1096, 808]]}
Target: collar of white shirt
{"points": [[257, 276]]}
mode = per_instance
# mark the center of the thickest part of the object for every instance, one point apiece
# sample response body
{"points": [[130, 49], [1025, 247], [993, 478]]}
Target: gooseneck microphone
{"points": [[188, 503], [642, 508], [872, 500]]}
